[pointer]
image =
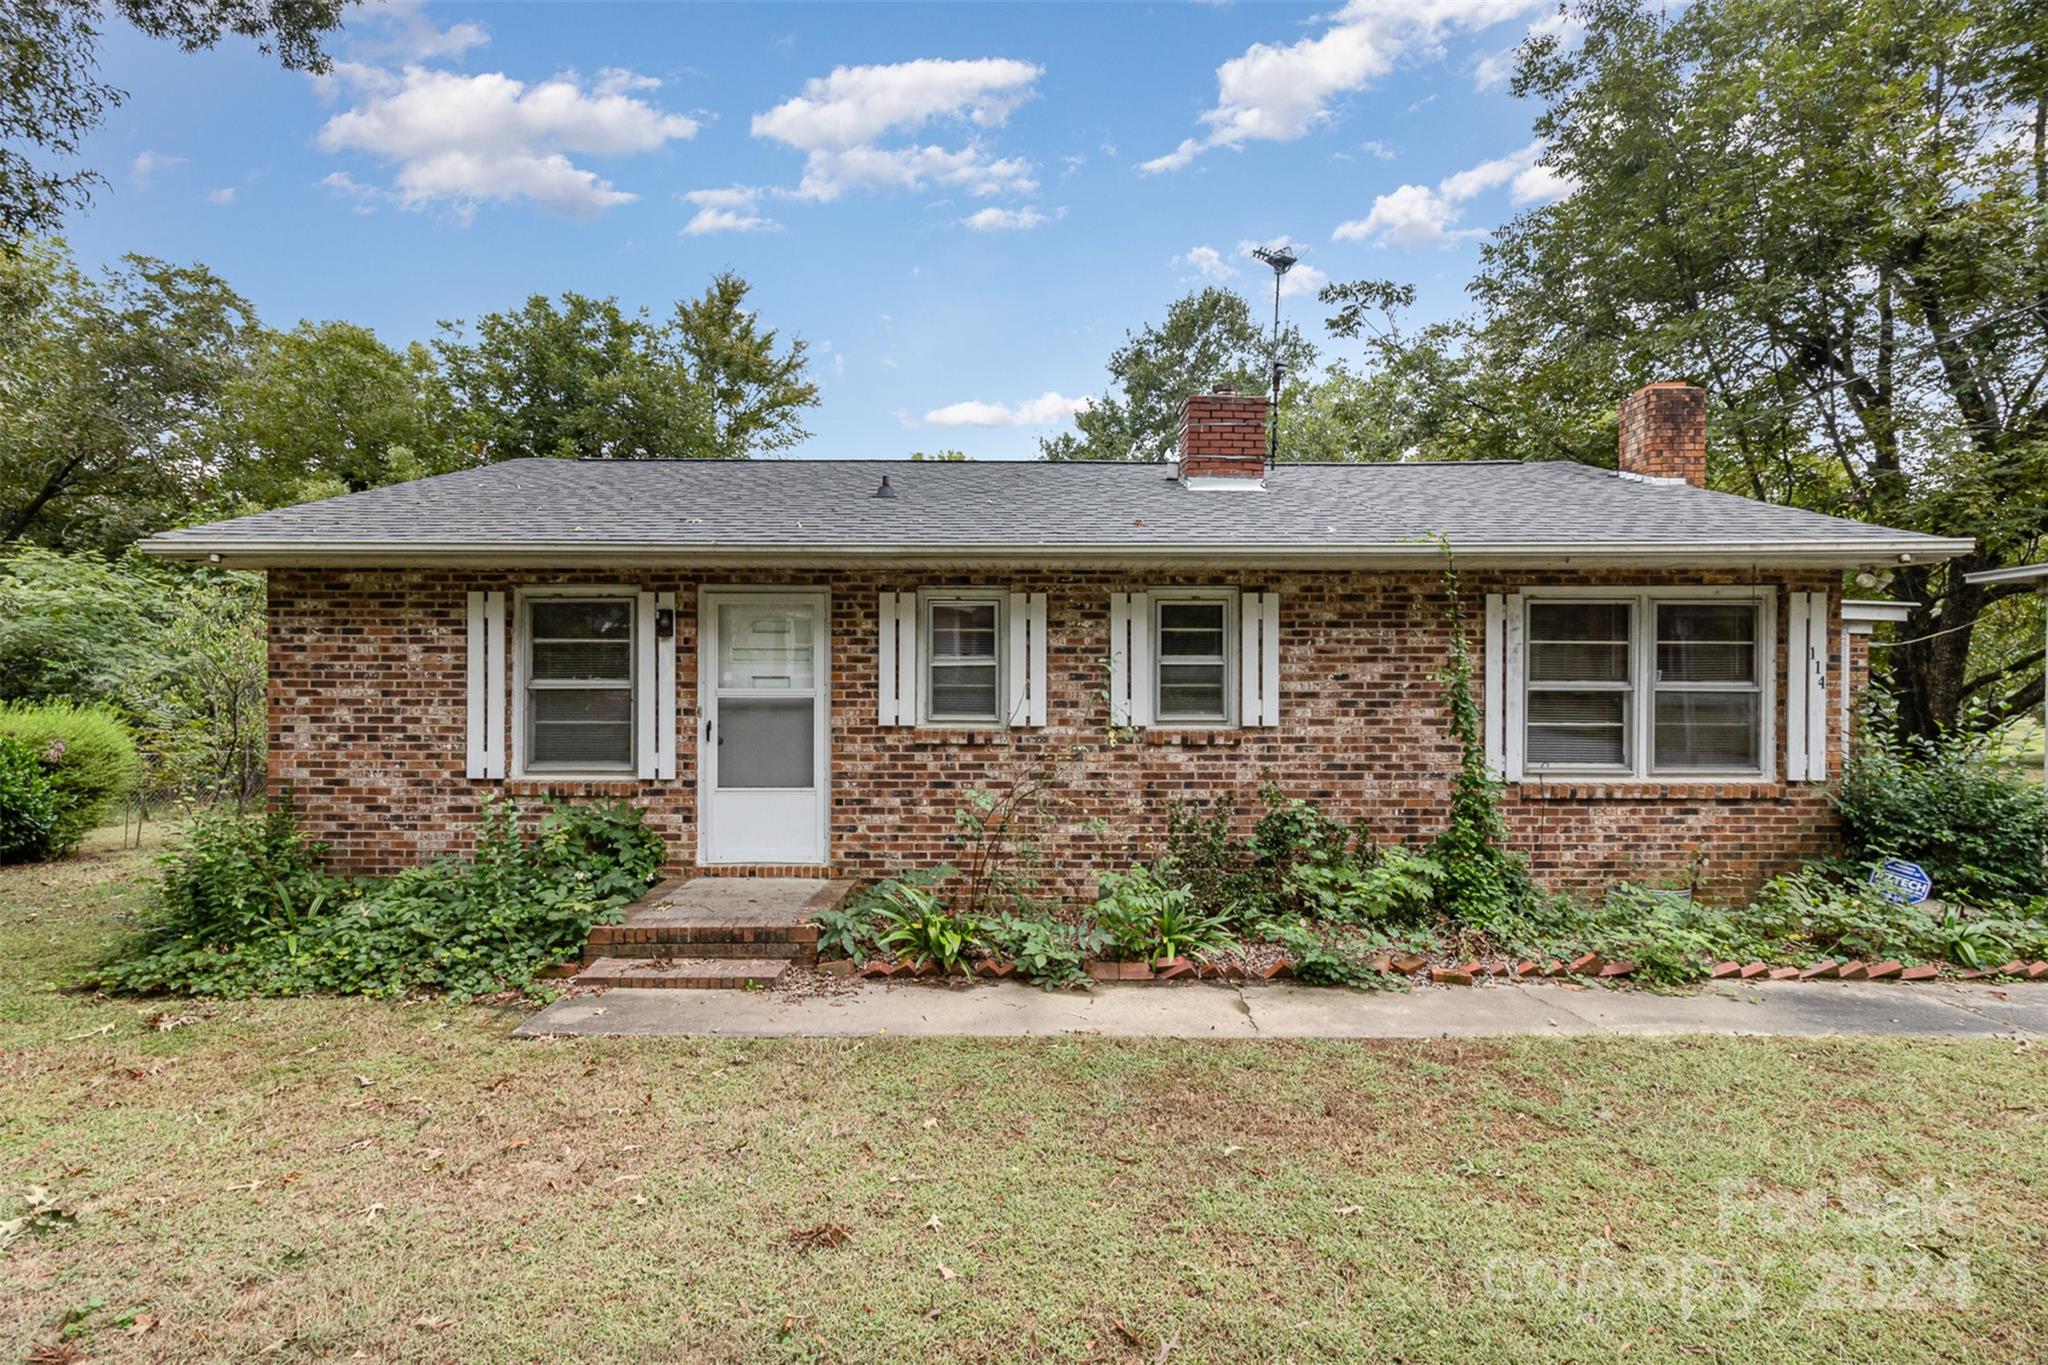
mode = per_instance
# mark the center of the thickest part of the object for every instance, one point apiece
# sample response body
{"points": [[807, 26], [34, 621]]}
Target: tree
{"points": [[1207, 338], [1833, 214], [756, 396], [327, 408], [584, 378], [105, 389], [51, 95]]}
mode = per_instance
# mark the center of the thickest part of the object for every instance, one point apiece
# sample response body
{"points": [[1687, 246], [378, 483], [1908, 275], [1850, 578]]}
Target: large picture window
{"points": [[1644, 684], [579, 684]]}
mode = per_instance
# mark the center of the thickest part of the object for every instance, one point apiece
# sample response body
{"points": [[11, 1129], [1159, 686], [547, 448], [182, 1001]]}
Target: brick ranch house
{"points": [[805, 666]]}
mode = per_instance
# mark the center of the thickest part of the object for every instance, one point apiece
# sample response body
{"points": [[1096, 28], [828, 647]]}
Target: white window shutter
{"points": [[1513, 674], [1806, 688], [1258, 659], [1035, 710], [1798, 670], [1017, 656], [648, 742], [909, 660], [1494, 693], [486, 679], [1125, 630], [1141, 659], [886, 700]]}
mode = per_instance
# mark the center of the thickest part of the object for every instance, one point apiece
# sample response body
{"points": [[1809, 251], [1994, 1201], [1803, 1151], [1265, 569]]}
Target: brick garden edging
{"points": [[1589, 965]]}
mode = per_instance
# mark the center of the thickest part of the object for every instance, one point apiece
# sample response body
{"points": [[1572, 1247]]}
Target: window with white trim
{"points": [[1648, 684], [578, 683], [1193, 657], [963, 659]]}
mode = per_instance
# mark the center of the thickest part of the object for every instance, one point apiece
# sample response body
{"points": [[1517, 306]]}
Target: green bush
{"points": [[28, 804], [1979, 830], [1046, 951], [915, 925], [88, 756], [1149, 919], [1389, 886], [245, 909]]}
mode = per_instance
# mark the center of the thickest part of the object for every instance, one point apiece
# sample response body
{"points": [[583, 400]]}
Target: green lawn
{"points": [[322, 1178]]}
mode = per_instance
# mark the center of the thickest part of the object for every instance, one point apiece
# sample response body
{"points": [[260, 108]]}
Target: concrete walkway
{"points": [[1009, 1010]]}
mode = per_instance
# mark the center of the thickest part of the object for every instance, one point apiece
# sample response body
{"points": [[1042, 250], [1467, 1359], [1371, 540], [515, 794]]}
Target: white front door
{"points": [[764, 736]]}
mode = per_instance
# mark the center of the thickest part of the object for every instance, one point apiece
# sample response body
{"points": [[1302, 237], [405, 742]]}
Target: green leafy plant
{"points": [[1979, 829], [1323, 956], [1221, 870], [28, 804], [89, 759], [244, 908], [915, 925], [1046, 951], [1389, 886], [1147, 919]]}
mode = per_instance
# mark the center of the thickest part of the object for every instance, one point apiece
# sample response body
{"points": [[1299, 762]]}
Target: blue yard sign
{"points": [[1901, 882]]}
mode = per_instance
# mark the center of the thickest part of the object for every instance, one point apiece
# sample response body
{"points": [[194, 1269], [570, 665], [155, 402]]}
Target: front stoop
{"points": [[711, 933], [684, 973]]}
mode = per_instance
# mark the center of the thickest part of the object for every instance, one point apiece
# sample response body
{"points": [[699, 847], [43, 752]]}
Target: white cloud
{"points": [[1008, 220], [146, 164], [1205, 261], [463, 139], [731, 209], [1048, 409], [1373, 147], [224, 195], [839, 120], [406, 34], [1277, 94], [1418, 216]]}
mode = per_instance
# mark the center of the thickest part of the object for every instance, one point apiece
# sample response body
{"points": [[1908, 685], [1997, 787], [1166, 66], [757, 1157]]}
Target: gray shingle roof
{"points": [[530, 510]]}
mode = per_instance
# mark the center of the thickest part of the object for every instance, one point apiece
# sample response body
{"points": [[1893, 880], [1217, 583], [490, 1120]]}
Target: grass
{"points": [[321, 1178]]}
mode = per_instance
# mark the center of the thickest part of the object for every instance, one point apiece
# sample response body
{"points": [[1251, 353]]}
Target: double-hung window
{"points": [[1658, 683], [1192, 658], [578, 684], [963, 653]]}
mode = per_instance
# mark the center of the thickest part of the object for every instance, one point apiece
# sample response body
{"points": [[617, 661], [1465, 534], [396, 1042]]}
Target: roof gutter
{"points": [[244, 553]]}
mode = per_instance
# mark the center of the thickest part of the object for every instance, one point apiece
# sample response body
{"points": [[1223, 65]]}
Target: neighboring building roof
{"points": [[570, 511]]}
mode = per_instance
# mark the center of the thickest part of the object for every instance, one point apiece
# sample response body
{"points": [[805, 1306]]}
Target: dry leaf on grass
{"points": [[828, 1235]]}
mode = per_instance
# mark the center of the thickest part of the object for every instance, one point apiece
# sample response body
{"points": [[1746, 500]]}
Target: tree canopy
{"points": [[150, 395], [51, 94]]}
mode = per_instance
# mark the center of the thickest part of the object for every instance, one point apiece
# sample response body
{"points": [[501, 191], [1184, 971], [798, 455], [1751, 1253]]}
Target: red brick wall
{"points": [[1664, 433], [1223, 435], [368, 729]]}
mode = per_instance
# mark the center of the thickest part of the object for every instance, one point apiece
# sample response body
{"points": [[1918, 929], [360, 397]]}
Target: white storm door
{"points": [[763, 677]]}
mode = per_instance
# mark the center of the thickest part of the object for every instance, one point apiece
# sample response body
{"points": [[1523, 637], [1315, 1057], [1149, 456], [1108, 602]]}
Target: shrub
{"points": [[28, 804], [1045, 951], [88, 756], [1390, 886], [1979, 830], [1147, 919], [245, 909], [1217, 867], [917, 926], [1323, 957]]}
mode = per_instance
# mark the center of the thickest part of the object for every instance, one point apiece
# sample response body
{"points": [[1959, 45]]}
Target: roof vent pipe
{"points": [[885, 491]]}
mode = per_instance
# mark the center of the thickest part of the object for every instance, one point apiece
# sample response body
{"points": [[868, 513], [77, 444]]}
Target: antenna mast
{"points": [[1281, 260]]}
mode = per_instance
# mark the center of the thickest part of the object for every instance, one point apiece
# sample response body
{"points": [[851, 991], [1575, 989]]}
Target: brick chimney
{"points": [[1664, 433], [1223, 439]]}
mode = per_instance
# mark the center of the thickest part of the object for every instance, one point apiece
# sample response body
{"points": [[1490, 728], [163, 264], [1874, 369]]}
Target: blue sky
{"points": [[962, 208]]}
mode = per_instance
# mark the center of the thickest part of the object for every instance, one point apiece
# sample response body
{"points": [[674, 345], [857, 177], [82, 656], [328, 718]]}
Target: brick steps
{"points": [[797, 952], [683, 973]]}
